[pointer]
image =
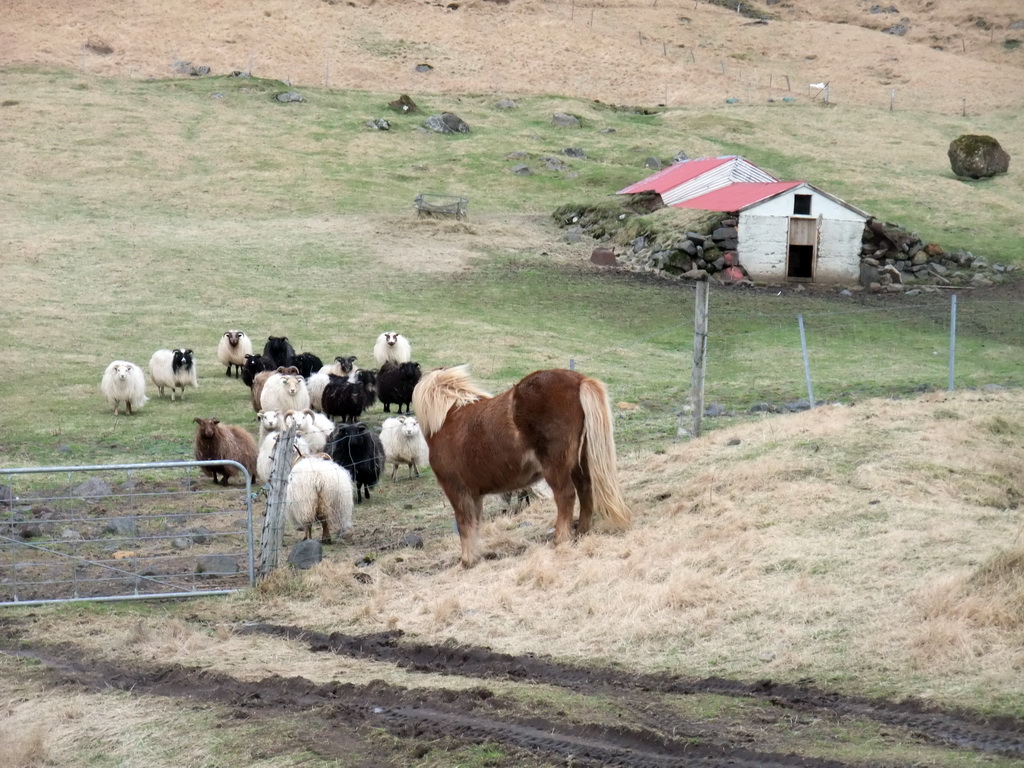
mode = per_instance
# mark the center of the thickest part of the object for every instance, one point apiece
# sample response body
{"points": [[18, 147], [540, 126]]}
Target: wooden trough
{"points": [[428, 204]]}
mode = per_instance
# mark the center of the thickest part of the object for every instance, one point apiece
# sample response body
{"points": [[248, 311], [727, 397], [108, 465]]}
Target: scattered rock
{"points": [[521, 170], [217, 565], [446, 122], [100, 46], [187, 68], [576, 152], [653, 163], [413, 541], [506, 104], [562, 120], [122, 526], [899, 30], [306, 554], [424, 68], [288, 97], [378, 124], [200, 535], [91, 488], [977, 157]]}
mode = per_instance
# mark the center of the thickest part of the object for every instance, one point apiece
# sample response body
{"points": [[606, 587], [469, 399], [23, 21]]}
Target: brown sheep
{"points": [[215, 441]]}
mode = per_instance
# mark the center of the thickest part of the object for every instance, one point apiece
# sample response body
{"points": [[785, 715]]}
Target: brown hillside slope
{"points": [[630, 52]]}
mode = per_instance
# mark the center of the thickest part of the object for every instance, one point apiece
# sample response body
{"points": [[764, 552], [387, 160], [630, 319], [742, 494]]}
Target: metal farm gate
{"points": [[122, 531]]}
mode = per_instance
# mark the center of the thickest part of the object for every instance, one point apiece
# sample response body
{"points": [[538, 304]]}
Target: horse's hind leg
{"points": [[565, 502], [585, 491]]}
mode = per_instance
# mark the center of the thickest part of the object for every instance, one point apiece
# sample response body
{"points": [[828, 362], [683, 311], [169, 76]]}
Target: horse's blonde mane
{"points": [[439, 390]]}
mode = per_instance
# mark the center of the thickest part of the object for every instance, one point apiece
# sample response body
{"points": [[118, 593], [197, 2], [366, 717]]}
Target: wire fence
{"points": [[761, 359]]}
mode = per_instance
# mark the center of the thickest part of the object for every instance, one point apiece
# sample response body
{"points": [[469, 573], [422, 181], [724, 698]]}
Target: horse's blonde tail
{"points": [[599, 439]]}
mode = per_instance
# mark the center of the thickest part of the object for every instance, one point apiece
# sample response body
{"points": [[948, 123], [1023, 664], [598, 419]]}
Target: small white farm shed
{"points": [[791, 230], [786, 230]]}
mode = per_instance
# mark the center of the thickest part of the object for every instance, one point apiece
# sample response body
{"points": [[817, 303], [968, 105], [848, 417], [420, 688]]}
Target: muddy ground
{"points": [[339, 720]]}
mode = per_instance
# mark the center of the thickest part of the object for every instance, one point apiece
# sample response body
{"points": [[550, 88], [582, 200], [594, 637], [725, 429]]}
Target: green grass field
{"points": [[141, 215]]}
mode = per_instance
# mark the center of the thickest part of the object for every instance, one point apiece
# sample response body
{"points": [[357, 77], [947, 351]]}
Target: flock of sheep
{"points": [[335, 464]]}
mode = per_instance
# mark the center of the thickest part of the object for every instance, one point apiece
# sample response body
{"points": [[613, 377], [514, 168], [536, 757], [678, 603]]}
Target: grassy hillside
{"points": [[152, 214], [871, 546]]}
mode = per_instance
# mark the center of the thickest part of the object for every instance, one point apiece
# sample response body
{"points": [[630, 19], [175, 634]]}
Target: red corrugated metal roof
{"points": [[676, 174], [738, 195]]}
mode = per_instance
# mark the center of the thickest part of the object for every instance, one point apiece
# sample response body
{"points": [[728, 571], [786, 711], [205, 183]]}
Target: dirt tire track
{"points": [[473, 716], [952, 728]]}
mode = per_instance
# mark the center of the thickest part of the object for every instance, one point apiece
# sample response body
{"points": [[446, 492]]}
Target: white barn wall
{"points": [[839, 251], [763, 233], [763, 245]]}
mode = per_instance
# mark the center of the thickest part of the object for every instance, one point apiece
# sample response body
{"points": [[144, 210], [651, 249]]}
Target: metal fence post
{"points": [[807, 362], [952, 340], [700, 349]]}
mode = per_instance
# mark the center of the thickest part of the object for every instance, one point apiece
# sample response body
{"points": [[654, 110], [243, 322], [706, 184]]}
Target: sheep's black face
{"points": [[234, 337], [411, 372], [182, 359], [391, 338]]}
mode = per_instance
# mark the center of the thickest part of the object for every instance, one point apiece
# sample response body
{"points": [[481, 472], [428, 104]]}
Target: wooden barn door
{"points": [[803, 248]]}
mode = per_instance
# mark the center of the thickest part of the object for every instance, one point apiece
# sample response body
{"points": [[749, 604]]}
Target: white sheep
{"points": [[319, 491], [265, 457], [173, 368], [315, 427], [234, 346], [284, 392], [124, 382], [315, 385], [270, 421], [404, 444], [393, 348]]}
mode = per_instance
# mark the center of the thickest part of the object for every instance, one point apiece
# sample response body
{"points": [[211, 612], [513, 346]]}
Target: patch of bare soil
{"points": [[338, 717]]}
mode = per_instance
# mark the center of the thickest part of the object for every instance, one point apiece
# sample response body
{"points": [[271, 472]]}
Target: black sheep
{"points": [[359, 450], [279, 349], [308, 364], [368, 380], [342, 399], [347, 397], [395, 384], [256, 364]]}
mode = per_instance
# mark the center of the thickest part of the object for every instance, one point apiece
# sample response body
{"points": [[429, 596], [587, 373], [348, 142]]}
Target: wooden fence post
{"points": [[273, 522]]}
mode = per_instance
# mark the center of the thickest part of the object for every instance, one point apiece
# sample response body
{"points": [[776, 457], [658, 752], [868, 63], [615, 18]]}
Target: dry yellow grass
{"points": [[627, 52], [879, 543], [848, 538]]}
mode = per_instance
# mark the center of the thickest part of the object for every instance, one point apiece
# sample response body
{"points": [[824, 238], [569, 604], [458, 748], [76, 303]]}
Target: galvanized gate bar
{"points": [[122, 566]]}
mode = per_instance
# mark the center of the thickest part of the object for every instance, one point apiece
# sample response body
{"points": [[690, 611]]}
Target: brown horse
{"points": [[554, 424]]}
